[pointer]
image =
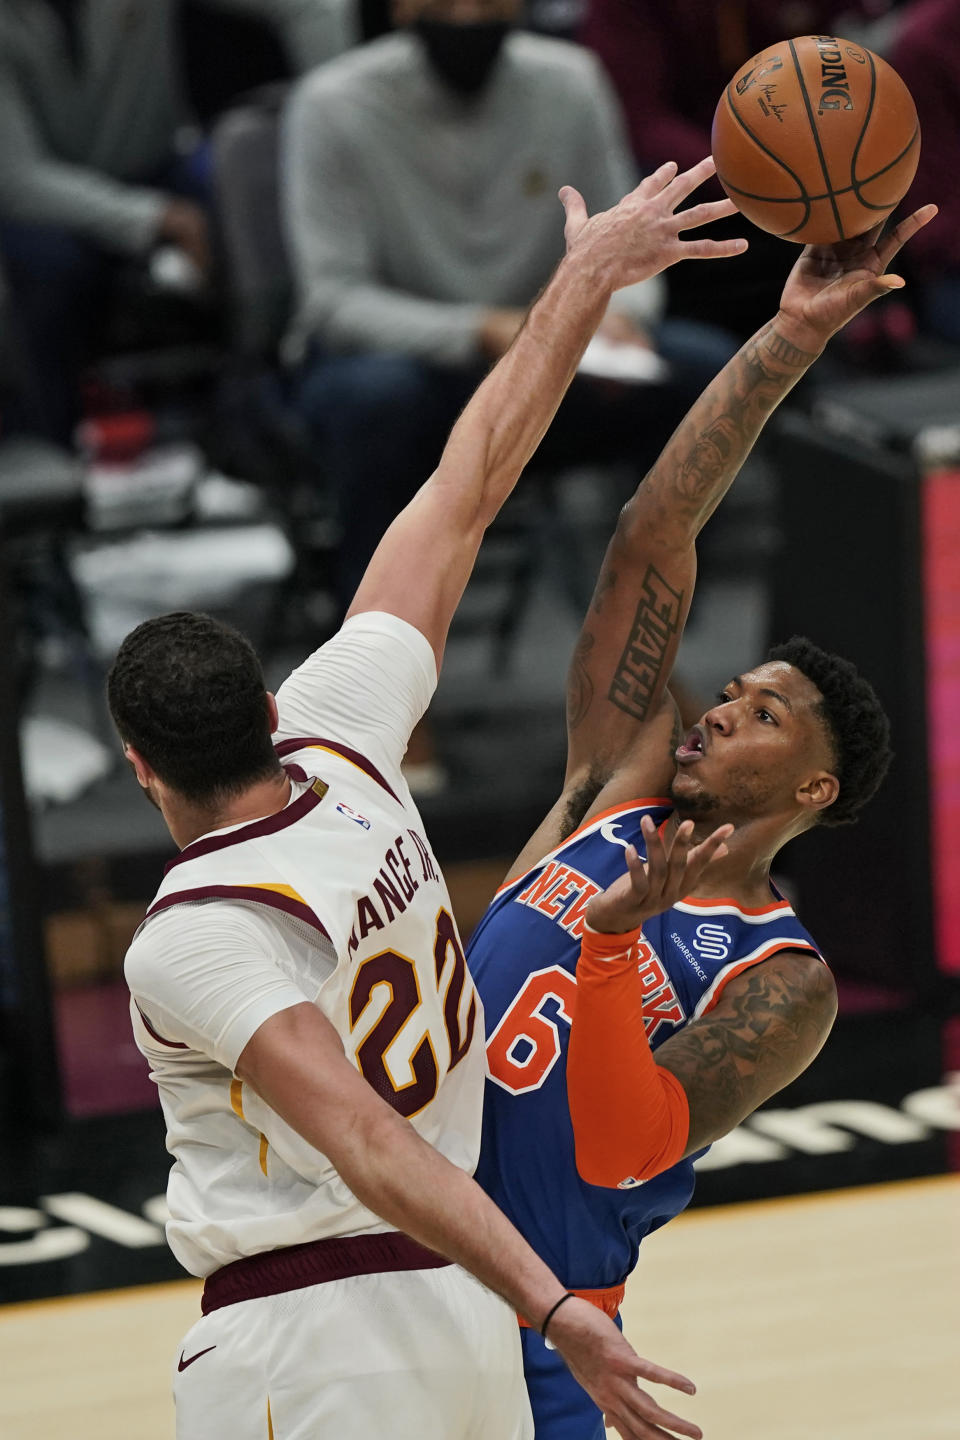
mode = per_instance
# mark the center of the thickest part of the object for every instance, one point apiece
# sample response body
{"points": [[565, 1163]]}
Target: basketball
{"points": [[816, 139]]}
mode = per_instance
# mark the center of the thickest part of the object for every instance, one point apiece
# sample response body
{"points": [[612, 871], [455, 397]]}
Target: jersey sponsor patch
{"points": [[712, 941], [353, 815]]}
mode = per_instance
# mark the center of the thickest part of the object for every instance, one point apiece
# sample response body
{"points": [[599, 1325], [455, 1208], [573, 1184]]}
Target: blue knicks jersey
{"points": [[523, 958]]}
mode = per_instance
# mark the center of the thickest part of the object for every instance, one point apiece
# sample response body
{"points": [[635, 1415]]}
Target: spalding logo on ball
{"points": [[816, 139]]}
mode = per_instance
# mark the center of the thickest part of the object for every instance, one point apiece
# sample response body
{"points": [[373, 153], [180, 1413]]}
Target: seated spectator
{"points": [[669, 63], [421, 176], [91, 104], [927, 55]]}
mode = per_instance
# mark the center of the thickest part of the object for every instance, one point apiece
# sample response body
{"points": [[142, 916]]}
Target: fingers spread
{"points": [[659, 179], [688, 180], [656, 867], [900, 234], [705, 213], [643, 1412], [711, 249]]}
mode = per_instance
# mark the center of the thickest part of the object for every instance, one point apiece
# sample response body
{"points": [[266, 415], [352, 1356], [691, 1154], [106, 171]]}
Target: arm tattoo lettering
{"points": [[638, 672], [771, 1024], [781, 349], [579, 684]]}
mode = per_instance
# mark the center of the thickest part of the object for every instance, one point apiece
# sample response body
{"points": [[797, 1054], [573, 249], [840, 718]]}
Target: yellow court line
{"points": [[709, 1213], [91, 1297]]}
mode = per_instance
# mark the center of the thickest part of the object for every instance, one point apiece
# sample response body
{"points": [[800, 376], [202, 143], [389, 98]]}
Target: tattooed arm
{"points": [[767, 1027], [622, 723], [635, 1112], [620, 717]]}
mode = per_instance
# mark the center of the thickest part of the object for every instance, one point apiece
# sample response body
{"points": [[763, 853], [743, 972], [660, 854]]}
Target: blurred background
{"points": [[254, 256]]}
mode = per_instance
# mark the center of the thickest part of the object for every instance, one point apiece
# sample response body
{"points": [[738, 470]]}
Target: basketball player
{"points": [[588, 1143], [299, 986]]}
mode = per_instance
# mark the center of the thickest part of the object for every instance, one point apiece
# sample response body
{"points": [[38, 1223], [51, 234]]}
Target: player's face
{"points": [[751, 753]]}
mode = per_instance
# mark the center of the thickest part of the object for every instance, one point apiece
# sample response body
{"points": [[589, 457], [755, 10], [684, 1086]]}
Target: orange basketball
{"points": [[816, 139]]}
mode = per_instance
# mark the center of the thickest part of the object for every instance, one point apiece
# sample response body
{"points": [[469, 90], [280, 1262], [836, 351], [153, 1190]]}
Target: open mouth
{"points": [[692, 748]]}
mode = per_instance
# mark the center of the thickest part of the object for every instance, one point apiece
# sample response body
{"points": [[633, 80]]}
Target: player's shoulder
{"points": [[743, 929], [180, 935]]}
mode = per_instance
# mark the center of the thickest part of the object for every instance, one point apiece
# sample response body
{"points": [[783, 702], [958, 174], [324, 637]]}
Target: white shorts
{"points": [[406, 1355]]}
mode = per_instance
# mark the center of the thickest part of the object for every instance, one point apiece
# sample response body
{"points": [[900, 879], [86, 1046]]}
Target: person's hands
{"points": [[498, 330], [640, 236], [607, 1367], [647, 889], [184, 224], [830, 284]]}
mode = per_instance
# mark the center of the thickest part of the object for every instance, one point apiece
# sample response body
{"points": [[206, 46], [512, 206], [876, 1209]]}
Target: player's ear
{"points": [[141, 768], [273, 714], [818, 791]]}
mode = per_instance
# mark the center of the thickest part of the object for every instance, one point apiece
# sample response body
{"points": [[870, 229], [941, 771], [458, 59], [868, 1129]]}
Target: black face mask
{"points": [[463, 56]]}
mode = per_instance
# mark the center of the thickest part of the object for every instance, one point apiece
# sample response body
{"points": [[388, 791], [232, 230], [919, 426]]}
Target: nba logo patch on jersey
{"points": [[353, 815]]}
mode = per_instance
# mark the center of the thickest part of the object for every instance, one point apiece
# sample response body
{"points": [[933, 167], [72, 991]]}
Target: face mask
{"points": [[463, 56]]}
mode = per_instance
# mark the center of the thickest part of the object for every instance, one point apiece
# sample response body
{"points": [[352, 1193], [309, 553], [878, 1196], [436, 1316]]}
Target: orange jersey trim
{"points": [[736, 970], [608, 1300], [706, 904]]}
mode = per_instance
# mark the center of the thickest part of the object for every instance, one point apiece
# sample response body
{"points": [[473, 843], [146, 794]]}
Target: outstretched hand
{"points": [[831, 283], [608, 1368], [640, 236], [670, 872]]}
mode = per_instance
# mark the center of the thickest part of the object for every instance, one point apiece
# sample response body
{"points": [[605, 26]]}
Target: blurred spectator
{"points": [[927, 55], [91, 103], [669, 63], [422, 176]]}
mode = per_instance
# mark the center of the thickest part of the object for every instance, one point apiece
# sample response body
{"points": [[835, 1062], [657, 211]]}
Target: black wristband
{"points": [[553, 1310]]}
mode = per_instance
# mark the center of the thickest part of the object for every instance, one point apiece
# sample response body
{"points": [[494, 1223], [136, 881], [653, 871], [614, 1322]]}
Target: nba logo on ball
{"points": [[816, 139]]}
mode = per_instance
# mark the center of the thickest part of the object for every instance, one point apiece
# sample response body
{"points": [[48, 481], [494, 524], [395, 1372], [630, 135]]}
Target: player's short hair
{"points": [[188, 692], [855, 722]]}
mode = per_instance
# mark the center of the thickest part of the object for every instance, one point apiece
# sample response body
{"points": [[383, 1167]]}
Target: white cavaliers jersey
{"points": [[336, 899]]}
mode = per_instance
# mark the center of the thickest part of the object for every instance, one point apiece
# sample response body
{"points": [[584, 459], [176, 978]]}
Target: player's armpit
{"points": [[630, 1117], [769, 1024], [606, 780]]}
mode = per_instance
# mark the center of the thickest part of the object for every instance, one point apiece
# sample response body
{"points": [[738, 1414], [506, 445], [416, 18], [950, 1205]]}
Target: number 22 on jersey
{"points": [[396, 975]]}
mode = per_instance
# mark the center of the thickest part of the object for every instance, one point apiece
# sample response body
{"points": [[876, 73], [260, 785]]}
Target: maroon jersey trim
{"points": [[290, 747], [257, 828], [161, 1040], [273, 1272], [259, 895]]}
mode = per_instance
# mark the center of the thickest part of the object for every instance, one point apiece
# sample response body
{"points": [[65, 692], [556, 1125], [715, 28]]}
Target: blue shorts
{"points": [[562, 1409]]}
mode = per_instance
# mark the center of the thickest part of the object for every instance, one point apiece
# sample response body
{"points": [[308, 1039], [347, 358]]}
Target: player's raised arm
{"points": [[422, 565], [619, 714]]}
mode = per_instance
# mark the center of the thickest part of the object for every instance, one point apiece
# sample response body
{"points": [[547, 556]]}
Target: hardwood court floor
{"points": [[832, 1316]]}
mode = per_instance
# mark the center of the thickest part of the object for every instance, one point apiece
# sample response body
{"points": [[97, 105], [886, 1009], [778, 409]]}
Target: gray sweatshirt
{"points": [[409, 210], [75, 138]]}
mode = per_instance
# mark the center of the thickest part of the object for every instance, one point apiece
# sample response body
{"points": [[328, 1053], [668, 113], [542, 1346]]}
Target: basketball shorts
{"points": [[562, 1409], [410, 1355]]}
